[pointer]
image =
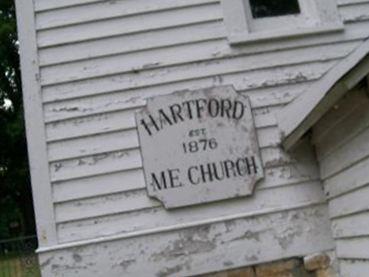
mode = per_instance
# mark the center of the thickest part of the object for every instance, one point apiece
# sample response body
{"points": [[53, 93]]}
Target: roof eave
{"points": [[300, 115]]}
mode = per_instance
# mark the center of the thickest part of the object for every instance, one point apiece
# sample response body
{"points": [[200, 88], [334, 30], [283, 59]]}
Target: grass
{"points": [[19, 266]]}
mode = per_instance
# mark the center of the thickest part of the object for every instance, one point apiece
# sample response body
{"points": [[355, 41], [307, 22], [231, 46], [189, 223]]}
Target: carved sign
{"points": [[199, 146]]}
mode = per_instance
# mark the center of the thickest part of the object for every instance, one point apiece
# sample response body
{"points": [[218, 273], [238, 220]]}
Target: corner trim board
{"points": [[35, 129]]}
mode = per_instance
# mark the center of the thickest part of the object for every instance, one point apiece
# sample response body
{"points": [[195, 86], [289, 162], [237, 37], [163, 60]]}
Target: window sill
{"points": [[277, 34]]}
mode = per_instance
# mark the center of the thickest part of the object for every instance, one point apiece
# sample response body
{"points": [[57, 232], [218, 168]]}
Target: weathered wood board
{"points": [[90, 64]]}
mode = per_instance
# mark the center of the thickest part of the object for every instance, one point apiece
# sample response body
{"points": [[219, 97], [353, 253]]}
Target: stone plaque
{"points": [[199, 146]]}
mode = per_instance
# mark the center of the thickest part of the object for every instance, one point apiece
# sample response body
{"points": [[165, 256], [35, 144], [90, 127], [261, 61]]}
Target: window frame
{"points": [[315, 17]]}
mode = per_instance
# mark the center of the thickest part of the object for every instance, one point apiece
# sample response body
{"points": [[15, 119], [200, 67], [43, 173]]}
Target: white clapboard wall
{"points": [[96, 63], [342, 143]]}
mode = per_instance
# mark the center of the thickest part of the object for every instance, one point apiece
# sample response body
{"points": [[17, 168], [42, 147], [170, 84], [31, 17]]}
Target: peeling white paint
{"points": [[91, 78]]}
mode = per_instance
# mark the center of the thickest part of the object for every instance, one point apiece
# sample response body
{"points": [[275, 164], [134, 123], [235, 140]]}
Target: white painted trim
{"points": [[235, 17], [316, 17], [35, 129], [342, 3], [300, 115], [177, 227], [285, 33]]}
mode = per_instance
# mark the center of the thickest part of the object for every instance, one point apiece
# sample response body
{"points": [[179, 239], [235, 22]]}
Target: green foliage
{"points": [[15, 192]]}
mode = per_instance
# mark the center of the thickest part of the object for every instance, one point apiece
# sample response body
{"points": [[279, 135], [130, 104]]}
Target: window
{"points": [[254, 20], [266, 8]]}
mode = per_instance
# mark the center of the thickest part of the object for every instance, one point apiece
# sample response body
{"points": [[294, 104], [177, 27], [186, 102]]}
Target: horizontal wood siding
{"points": [[342, 144], [100, 60], [134, 211], [360, 267], [189, 251]]}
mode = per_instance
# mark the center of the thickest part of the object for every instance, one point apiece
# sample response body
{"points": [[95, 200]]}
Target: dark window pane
{"points": [[266, 8]]}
